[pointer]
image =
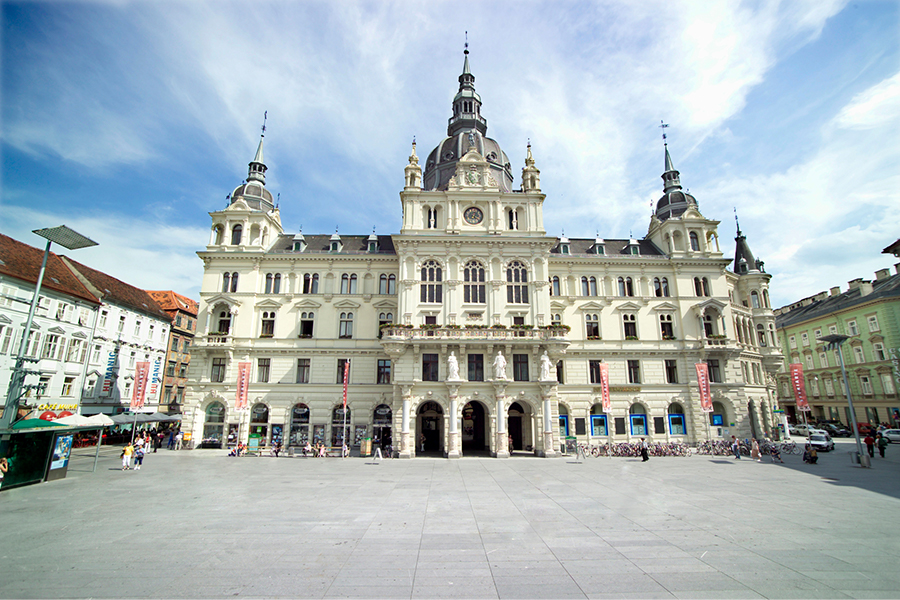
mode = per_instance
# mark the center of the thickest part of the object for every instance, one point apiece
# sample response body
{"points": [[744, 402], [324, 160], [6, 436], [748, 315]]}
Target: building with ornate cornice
{"points": [[471, 330], [183, 312]]}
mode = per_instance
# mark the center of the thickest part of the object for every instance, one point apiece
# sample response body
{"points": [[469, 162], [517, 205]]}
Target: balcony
{"points": [[465, 335]]}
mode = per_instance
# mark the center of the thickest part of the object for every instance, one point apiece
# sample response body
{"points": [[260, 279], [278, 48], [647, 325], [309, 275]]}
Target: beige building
{"points": [[471, 330]]}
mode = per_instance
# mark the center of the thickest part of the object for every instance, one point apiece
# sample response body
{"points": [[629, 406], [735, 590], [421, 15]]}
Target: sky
{"points": [[131, 121]]}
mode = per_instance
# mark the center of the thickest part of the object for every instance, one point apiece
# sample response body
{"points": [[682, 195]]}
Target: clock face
{"points": [[473, 215]]}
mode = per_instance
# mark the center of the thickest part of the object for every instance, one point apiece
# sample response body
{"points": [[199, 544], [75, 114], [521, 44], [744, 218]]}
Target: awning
{"points": [[35, 424], [82, 421]]}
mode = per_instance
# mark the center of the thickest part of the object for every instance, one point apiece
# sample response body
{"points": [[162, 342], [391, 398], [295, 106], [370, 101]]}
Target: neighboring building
{"points": [[61, 331], [183, 312], [131, 328], [472, 274], [868, 312]]}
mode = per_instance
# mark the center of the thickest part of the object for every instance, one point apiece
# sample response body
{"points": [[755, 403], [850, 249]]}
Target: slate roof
{"points": [[23, 262], [612, 248], [320, 244], [118, 292], [173, 301], [881, 289]]}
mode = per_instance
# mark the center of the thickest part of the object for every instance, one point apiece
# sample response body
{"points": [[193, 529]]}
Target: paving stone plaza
{"points": [[198, 524]]}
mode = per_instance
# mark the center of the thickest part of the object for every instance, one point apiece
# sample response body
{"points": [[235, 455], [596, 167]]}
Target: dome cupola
{"points": [[253, 191]]}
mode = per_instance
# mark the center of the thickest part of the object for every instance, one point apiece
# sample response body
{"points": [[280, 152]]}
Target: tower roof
{"points": [[744, 262], [674, 201], [254, 191]]}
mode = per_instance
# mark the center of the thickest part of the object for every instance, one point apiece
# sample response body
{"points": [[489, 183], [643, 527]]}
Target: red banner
{"points": [[604, 386], [799, 385], [243, 386], [346, 381], [703, 384], [141, 374]]}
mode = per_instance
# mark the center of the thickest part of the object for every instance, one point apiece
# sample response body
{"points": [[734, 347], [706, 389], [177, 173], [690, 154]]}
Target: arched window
{"points": [[630, 324], [431, 288], [626, 286], [267, 325], [516, 283], [754, 299], [387, 284], [236, 232], [226, 282], [666, 327], [219, 233], [695, 242], [348, 283], [584, 287], [311, 283], [766, 299], [431, 218], [661, 287], [307, 321], [701, 286], [761, 335], [299, 425], [592, 286], [554, 286], [268, 283], [473, 288], [346, 325], [638, 414], [234, 281], [276, 284], [214, 423], [772, 335], [512, 219], [592, 325], [705, 283], [556, 319], [709, 325], [676, 419]]}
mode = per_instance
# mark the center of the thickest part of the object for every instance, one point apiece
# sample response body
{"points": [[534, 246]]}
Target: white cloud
{"points": [[878, 106]]}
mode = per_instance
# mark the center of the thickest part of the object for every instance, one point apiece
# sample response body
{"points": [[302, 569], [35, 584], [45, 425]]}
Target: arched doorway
{"points": [[599, 426], [519, 426], [259, 423], [638, 414], [214, 424], [430, 428], [340, 418], [676, 419], [299, 425], [717, 419], [382, 435], [474, 428]]}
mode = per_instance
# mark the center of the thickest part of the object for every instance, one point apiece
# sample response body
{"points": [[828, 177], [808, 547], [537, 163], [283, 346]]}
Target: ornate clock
{"points": [[473, 215]]}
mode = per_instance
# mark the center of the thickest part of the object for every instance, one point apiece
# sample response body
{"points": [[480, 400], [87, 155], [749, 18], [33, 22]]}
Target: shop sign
{"points": [[154, 378], [110, 371], [620, 388], [604, 387], [48, 406]]}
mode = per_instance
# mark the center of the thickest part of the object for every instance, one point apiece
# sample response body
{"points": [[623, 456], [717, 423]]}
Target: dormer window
{"points": [[335, 246], [564, 249], [634, 250], [599, 249], [373, 246]]}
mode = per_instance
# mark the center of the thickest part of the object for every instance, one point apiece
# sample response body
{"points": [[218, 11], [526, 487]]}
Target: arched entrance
{"points": [[299, 425], [381, 428], [519, 426], [474, 428], [430, 421], [259, 423], [213, 424]]}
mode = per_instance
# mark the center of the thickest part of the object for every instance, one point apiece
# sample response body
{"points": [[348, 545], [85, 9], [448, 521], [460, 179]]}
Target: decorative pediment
{"points": [[57, 329], [591, 306], [79, 335], [385, 304], [223, 299], [268, 303], [710, 303], [629, 306], [94, 373], [308, 303], [665, 307], [557, 305], [238, 204], [5, 320], [346, 304], [472, 172]]}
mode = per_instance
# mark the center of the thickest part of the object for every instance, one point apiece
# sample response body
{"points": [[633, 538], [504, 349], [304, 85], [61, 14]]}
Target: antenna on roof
{"points": [[265, 116]]}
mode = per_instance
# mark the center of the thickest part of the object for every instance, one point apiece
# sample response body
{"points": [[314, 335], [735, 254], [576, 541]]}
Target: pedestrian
{"points": [[127, 451], [870, 444], [754, 450], [775, 452], [810, 455], [645, 450], [4, 469], [421, 442], [157, 441], [736, 447], [138, 457], [178, 438], [882, 444], [171, 443]]}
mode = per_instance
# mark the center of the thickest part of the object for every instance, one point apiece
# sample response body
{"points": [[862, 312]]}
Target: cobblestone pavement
{"points": [[199, 524]]}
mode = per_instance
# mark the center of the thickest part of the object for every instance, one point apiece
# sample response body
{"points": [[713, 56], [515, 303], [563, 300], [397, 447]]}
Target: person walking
{"points": [[754, 450], [736, 447], [138, 457], [882, 443], [870, 444], [645, 450], [4, 469], [171, 443], [127, 452], [178, 439]]}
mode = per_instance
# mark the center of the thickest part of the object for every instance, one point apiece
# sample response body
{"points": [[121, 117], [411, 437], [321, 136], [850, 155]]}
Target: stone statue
{"points": [[499, 366], [452, 368], [545, 367]]}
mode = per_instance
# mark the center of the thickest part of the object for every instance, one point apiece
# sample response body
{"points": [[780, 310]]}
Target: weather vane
{"points": [[663, 126], [265, 116], [466, 51]]}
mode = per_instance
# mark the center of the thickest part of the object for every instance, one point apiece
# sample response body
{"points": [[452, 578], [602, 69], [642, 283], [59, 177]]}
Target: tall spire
{"points": [[743, 257], [670, 177], [467, 102], [257, 166]]}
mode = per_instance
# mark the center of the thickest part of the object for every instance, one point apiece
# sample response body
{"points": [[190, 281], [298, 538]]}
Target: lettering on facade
{"points": [[110, 371]]}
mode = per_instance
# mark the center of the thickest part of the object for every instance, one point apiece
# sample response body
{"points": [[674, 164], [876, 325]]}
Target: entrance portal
{"points": [[474, 428], [431, 417], [514, 426]]}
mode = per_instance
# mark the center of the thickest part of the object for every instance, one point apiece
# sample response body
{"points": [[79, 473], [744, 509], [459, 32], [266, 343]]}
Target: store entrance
{"points": [[514, 427], [473, 428]]}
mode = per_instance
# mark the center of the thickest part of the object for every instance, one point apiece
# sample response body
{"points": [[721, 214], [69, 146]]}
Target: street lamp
{"points": [[72, 240], [834, 342]]}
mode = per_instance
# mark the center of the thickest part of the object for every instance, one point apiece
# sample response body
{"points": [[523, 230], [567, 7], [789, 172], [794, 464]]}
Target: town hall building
{"points": [[471, 331]]}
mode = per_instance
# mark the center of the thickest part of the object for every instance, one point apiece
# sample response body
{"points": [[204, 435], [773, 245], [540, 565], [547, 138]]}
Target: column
{"points": [[502, 439], [547, 396], [404, 425], [454, 441]]}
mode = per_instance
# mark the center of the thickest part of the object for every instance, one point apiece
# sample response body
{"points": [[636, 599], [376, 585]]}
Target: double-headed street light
{"points": [[834, 342], [72, 240]]}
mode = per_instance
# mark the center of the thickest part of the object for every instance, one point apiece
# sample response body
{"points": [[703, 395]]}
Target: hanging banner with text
{"points": [[604, 387], [799, 385], [703, 384], [141, 374], [243, 386], [346, 381]]}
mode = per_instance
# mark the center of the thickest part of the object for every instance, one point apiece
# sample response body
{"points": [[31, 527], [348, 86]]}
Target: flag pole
{"points": [[344, 433]]}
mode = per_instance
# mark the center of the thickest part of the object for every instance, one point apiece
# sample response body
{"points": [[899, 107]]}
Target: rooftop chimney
{"points": [[882, 274], [865, 288], [836, 290], [854, 283]]}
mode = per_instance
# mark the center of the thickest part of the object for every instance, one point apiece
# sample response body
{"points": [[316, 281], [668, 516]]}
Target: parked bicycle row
{"points": [[634, 449]]}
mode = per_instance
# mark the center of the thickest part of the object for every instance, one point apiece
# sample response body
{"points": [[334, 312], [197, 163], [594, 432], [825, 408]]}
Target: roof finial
{"points": [[663, 126], [466, 51], [265, 116], [736, 222], [278, 200]]}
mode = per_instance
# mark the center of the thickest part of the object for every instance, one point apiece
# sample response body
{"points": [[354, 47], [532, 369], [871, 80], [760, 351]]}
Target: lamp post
{"points": [[72, 240], [834, 341]]}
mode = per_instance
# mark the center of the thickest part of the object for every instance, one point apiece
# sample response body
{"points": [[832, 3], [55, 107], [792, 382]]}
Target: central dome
{"points": [[466, 128]]}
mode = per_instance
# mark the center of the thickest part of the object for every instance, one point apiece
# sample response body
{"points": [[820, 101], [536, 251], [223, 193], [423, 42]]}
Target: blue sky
{"points": [[130, 121]]}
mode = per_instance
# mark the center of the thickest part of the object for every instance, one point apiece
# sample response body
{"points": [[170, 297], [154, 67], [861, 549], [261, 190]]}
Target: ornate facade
{"points": [[471, 330]]}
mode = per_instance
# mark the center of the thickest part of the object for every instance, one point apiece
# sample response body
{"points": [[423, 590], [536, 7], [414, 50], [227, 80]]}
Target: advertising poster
{"points": [[59, 462], [243, 386], [703, 384], [141, 375], [799, 385], [604, 386]]}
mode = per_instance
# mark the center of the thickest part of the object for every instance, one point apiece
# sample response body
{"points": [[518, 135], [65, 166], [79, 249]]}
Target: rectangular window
{"points": [[809, 362], [520, 367], [476, 367], [665, 327], [659, 425], [887, 384], [170, 369], [306, 325], [168, 397], [804, 338], [51, 347], [634, 371], [218, 370], [671, 371], [429, 367], [873, 323], [560, 372], [829, 387], [832, 329], [43, 305], [103, 315], [262, 369], [346, 325], [823, 360], [852, 328], [340, 371], [594, 370], [303, 370], [137, 328], [878, 351], [76, 351], [858, 355], [866, 385], [174, 346], [384, 371], [34, 342], [68, 384], [676, 424], [715, 375], [598, 425], [817, 333], [630, 326], [792, 341], [95, 355], [182, 369], [122, 324]]}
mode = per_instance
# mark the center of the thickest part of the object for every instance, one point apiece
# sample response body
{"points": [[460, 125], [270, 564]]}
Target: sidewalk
{"points": [[199, 524]]}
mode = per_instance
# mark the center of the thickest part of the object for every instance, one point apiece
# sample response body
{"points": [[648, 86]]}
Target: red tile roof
{"points": [[173, 301], [118, 292], [23, 262]]}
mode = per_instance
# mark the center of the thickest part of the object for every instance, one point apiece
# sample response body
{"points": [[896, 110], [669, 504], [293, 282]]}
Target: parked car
{"points": [[821, 442], [892, 435], [836, 430], [805, 430]]}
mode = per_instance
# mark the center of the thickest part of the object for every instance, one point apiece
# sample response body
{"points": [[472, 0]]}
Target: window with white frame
{"points": [[474, 286], [273, 283], [307, 319], [310, 283], [431, 289], [852, 328], [51, 347], [62, 311], [872, 320], [348, 283], [95, 355], [878, 351], [76, 351], [626, 286], [387, 284], [554, 286], [592, 326], [630, 326], [804, 338], [866, 384], [68, 386], [823, 359], [832, 329], [829, 387], [346, 325], [817, 333], [556, 319], [809, 362], [858, 355], [887, 383], [666, 327], [516, 283], [103, 315], [792, 342], [267, 324], [661, 287], [588, 286], [122, 324]]}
